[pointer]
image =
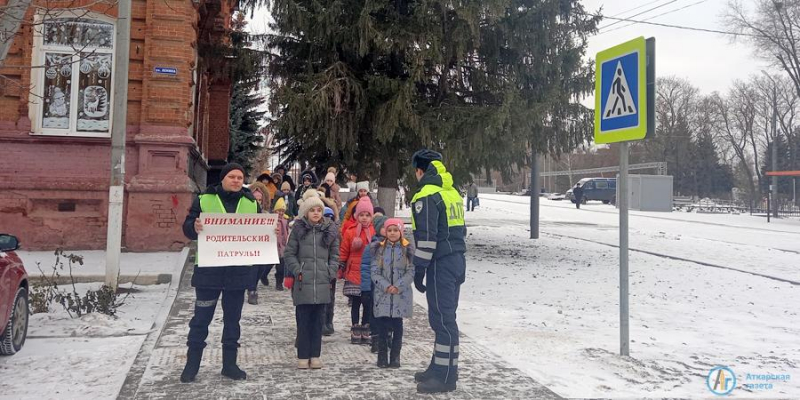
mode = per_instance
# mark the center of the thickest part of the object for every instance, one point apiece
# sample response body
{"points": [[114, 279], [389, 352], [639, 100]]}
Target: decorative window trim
{"points": [[38, 59]]}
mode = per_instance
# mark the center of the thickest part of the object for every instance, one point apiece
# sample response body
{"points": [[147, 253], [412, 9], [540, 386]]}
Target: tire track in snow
{"points": [[667, 256]]}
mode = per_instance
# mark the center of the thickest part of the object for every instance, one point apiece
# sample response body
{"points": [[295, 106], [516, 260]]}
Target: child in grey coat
{"points": [[392, 276]]}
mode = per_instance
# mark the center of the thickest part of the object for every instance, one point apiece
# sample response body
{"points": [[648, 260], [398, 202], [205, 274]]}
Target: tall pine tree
{"points": [[246, 120], [364, 83]]}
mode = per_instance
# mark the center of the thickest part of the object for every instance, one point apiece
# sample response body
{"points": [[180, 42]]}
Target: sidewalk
{"points": [[268, 356]]}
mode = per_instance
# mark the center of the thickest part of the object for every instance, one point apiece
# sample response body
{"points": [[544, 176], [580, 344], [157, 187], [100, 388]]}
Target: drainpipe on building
{"points": [[116, 191]]}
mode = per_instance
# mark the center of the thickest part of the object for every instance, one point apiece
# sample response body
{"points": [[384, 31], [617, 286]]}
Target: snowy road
{"points": [[740, 242], [550, 307]]}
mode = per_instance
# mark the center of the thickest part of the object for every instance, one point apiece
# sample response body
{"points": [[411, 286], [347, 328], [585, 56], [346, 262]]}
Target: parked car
{"points": [[556, 196], [602, 189], [14, 308]]}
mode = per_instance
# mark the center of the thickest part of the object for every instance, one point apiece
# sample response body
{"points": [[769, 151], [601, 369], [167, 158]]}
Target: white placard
{"points": [[237, 239]]}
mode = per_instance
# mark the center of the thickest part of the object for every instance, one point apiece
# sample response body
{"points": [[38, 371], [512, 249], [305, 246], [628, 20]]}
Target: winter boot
{"points": [[423, 376], [252, 297], [229, 367], [193, 357], [434, 385], [327, 329], [365, 339], [315, 363], [394, 355], [374, 347], [355, 334], [279, 285], [383, 358], [302, 363]]}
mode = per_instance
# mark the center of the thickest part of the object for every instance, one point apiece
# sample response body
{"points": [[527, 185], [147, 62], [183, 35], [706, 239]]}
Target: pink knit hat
{"points": [[364, 205], [394, 222]]}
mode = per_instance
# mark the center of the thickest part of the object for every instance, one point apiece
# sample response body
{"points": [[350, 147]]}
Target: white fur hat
{"points": [[362, 185], [310, 200]]}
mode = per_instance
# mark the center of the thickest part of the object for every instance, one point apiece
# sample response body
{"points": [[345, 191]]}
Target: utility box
{"points": [[649, 192]]}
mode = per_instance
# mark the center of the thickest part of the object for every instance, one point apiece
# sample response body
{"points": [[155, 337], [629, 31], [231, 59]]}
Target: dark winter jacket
{"points": [[287, 178], [312, 258], [436, 233], [392, 266], [577, 192], [226, 278], [301, 189]]}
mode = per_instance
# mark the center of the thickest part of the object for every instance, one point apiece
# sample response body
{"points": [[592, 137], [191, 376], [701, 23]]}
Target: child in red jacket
{"points": [[354, 239]]}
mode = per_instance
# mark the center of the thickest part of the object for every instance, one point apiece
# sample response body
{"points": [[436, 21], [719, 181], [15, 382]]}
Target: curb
{"points": [[158, 279]]}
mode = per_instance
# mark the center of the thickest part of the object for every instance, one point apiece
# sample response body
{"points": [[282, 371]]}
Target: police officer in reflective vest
{"points": [[211, 282], [439, 232]]}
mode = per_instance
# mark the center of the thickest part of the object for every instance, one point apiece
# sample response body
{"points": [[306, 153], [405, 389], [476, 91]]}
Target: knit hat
{"points": [[279, 205], [330, 177], [228, 168], [310, 200], [307, 176], [378, 210], [327, 212], [394, 222], [286, 186], [423, 158], [379, 222], [362, 185], [364, 206]]}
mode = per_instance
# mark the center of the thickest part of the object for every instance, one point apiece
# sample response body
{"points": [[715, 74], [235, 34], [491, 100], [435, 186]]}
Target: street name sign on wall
{"points": [[625, 92], [237, 239]]}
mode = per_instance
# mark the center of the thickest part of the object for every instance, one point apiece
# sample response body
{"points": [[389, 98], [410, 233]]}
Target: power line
{"points": [[656, 16], [689, 28], [643, 12], [636, 8]]}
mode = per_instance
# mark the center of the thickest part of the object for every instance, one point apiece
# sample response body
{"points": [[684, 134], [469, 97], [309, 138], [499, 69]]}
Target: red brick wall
{"points": [[53, 190]]}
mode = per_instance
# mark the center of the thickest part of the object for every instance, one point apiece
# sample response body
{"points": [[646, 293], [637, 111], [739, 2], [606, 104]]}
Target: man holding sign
{"points": [[228, 280]]}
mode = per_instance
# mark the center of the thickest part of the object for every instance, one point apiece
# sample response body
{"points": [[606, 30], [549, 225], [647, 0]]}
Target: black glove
{"points": [[418, 277]]}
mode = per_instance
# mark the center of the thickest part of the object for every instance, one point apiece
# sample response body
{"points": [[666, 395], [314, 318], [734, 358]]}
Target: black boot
{"points": [[394, 356], [383, 358], [279, 284], [327, 330], [374, 345], [424, 375], [229, 367], [193, 357], [434, 385]]}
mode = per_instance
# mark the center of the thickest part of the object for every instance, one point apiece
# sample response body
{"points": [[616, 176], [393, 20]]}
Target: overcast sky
{"points": [[710, 61]]}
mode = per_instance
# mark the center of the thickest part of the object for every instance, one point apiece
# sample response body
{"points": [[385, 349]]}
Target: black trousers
{"points": [[369, 302], [387, 326], [309, 330], [279, 271], [359, 302], [327, 316], [204, 306]]}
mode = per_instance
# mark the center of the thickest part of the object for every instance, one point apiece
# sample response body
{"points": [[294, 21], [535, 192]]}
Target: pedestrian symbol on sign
{"points": [[620, 102]]}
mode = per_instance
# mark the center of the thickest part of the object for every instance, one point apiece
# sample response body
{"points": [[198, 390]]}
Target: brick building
{"points": [[55, 106]]}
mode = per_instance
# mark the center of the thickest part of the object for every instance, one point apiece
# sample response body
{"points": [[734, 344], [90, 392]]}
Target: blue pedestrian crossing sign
{"points": [[622, 99]]}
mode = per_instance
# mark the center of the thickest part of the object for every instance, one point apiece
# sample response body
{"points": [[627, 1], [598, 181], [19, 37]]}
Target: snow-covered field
{"points": [[88, 357], [551, 307]]}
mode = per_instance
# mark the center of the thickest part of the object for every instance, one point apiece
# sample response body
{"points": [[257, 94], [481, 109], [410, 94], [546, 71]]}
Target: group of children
{"points": [[366, 249]]}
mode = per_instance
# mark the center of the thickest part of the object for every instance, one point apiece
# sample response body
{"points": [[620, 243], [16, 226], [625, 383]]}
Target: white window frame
{"points": [[36, 101]]}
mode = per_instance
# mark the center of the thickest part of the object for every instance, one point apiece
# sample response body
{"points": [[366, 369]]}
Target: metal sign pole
{"points": [[624, 322]]}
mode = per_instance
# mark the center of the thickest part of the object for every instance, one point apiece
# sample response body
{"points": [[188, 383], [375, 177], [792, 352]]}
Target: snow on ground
{"points": [[94, 262], [551, 307], [88, 357]]}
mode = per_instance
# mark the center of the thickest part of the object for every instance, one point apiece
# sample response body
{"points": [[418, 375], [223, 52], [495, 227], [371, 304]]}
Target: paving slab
{"points": [[268, 356]]}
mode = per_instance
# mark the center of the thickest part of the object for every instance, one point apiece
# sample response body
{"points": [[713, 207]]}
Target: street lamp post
{"points": [[774, 183]]}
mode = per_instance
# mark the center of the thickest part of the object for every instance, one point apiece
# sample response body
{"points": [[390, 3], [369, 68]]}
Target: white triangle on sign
{"points": [[620, 100]]}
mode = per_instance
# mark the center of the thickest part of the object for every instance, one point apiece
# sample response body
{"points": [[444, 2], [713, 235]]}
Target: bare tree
{"points": [[734, 117], [773, 27]]}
